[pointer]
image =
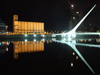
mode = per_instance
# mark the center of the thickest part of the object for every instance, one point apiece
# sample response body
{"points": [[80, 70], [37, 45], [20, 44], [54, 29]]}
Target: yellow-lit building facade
{"points": [[26, 27], [27, 47]]}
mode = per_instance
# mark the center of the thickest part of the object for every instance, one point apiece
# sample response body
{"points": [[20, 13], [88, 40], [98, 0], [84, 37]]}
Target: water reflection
{"points": [[4, 47], [73, 44], [27, 47]]}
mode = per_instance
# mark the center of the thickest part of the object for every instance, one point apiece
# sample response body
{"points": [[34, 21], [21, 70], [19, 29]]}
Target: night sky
{"points": [[54, 13]]}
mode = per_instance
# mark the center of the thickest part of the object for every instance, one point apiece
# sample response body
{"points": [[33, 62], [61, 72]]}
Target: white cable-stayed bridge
{"points": [[72, 33]]}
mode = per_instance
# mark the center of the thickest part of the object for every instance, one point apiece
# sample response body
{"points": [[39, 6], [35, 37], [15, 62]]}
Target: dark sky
{"points": [[54, 13]]}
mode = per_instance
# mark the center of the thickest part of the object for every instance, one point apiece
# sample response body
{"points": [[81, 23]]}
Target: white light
{"points": [[63, 35], [6, 49], [77, 12], [25, 35], [71, 64], [34, 35], [7, 43], [25, 40], [53, 38], [64, 39], [34, 40], [69, 39], [6, 27], [43, 35], [72, 5], [43, 40], [53, 35]]}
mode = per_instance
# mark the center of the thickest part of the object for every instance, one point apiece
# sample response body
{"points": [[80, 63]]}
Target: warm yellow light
{"points": [[73, 53], [29, 46], [22, 26]]}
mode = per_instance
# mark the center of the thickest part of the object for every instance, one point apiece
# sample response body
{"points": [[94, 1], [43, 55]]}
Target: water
{"points": [[78, 57]]}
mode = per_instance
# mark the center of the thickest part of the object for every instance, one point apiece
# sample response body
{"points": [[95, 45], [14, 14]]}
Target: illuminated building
{"points": [[27, 47], [3, 27], [23, 26]]}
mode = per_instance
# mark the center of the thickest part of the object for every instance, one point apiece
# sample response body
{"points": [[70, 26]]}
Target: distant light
{"points": [[73, 18], [7, 43], [0, 44], [73, 53], [81, 40], [25, 40], [77, 12], [43, 35], [89, 40], [34, 35], [34, 40], [25, 35], [71, 64], [43, 39], [3, 42], [72, 5], [76, 57], [6, 49]]}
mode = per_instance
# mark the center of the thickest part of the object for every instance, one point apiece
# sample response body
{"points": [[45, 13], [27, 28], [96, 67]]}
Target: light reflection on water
{"points": [[27, 47], [38, 46], [73, 44]]}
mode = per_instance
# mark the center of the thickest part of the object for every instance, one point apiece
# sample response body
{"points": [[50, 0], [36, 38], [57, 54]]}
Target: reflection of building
{"points": [[27, 47], [3, 27], [23, 26]]}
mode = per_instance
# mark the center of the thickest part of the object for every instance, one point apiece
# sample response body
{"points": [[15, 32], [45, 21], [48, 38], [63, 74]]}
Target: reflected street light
{"points": [[72, 5], [71, 64]]}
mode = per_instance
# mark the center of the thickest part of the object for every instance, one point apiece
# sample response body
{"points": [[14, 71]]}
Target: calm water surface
{"points": [[48, 57]]}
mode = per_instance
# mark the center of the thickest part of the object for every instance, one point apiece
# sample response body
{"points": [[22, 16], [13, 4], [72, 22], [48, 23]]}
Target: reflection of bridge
{"points": [[72, 34], [73, 45]]}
